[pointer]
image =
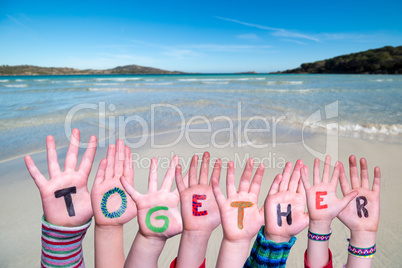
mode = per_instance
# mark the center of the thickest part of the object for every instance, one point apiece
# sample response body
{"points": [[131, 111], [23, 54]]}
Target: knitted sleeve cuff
{"points": [[266, 253], [62, 246]]}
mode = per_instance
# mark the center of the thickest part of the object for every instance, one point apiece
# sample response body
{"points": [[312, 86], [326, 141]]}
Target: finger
{"points": [[300, 187], [306, 170], [345, 187], [72, 153], [354, 176], [256, 183], [185, 179], [216, 189], [130, 189], [119, 159], [283, 186], [364, 174], [295, 178], [377, 180], [216, 172], [179, 179], [88, 158], [128, 171], [100, 174], [204, 169], [38, 178], [245, 179], [53, 164], [327, 169], [193, 171], [127, 180], [348, 198], [170, 174], [230, 180], [316, 172], [304, 178], [111, 151], [335, 175], [153, 176], [275, 185]]}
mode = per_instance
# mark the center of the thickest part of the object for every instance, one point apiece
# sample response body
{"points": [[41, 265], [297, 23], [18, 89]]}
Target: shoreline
{"points": [[285, 133], [38, 107]]}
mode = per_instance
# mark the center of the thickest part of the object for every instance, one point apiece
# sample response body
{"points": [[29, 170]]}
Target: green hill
{"points": [[386, 60], [36, 70]]}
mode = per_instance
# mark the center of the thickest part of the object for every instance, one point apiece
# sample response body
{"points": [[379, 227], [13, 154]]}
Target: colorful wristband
{"points": [[319, 237], [62, 246], [362, 252]]}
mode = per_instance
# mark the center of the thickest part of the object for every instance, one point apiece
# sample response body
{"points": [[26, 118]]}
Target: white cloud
{"points": [[17, 21], [290, 35], [276, 31]]}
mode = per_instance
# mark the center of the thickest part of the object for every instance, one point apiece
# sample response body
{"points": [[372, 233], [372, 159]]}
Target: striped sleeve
{"points": [[266, 253], [62, 246]]}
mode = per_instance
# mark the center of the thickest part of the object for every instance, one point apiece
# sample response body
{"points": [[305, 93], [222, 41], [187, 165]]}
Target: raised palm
{"points": [[285, 204], [158, 213], [322, 202], [110, 203], [65, 197], [204, 217], [363, 213], [240, 216]]}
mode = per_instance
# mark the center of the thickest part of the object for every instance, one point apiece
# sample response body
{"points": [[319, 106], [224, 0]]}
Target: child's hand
{"points": [[322, 202], [65, 197], [362, 215], [199, 210], [111, 205], [285, 204], [204, 218], [158, 213], [241, 218], [323, 206]]}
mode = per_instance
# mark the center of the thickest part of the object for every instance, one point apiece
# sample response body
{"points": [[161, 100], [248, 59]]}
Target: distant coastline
{"points": [[31, 70], [386, 60]]}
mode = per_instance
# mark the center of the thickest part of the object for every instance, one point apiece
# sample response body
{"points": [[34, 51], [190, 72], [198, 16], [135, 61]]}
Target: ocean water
{"points": [[138, 106]]}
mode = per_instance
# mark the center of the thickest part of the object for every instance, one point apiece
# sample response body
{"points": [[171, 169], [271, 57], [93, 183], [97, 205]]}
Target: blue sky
{"points": [[192, 36]]}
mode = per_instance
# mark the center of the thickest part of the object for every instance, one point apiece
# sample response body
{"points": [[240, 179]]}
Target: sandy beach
{"points": [[276, 81], [21, 205]]}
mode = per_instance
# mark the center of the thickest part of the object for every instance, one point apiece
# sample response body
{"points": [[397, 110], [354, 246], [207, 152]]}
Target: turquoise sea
{"points": [[115, 106]]}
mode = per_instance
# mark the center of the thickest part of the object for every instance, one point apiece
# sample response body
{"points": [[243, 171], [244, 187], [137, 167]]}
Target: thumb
{"points": [[348, 198], [130, 189]]}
